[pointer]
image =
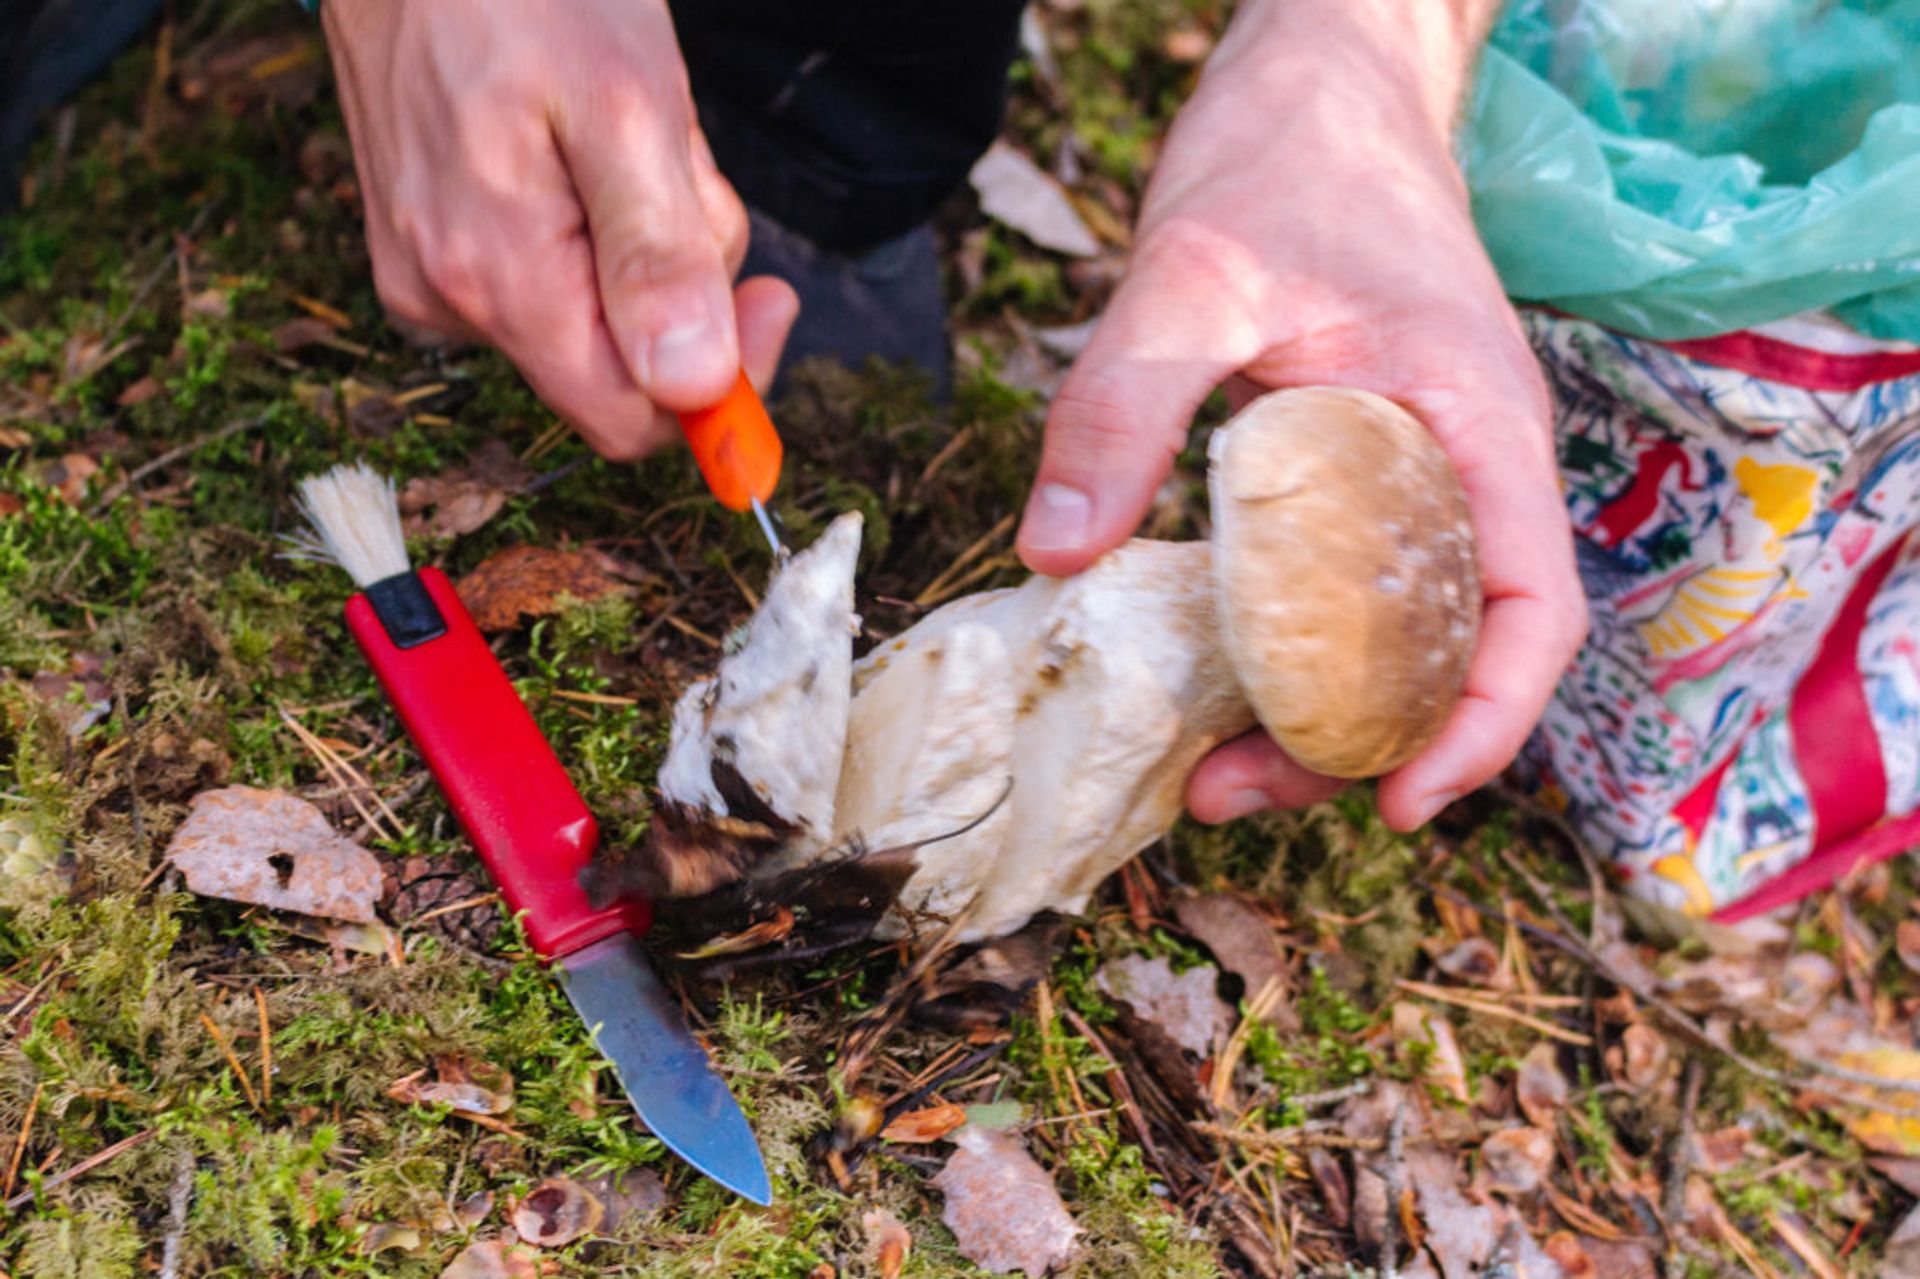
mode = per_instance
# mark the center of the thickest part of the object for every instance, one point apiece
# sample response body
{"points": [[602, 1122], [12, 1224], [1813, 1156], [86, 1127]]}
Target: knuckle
{"points": [[456, 273]]}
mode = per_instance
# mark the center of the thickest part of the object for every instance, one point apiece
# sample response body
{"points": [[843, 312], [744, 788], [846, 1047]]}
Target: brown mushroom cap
{"points": [[1343, 555]]}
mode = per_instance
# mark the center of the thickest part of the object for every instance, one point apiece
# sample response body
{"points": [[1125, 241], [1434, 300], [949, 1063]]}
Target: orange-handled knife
{"points": [[738, 453]]}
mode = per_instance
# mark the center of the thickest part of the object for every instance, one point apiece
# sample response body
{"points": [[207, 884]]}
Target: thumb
{"points": [[1119, 420], [660, 263], [767, 307]]}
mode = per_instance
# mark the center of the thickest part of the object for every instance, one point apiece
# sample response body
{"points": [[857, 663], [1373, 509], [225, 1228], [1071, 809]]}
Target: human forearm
{"points": [[1417, 51]]}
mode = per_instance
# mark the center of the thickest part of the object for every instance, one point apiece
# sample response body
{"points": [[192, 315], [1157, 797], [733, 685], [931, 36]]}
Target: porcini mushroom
{"points": [[1026, 742]]}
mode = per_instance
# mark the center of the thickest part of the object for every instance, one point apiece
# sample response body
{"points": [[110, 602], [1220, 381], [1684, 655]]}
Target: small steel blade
{"points": [[767, 529], [637, 1026]]}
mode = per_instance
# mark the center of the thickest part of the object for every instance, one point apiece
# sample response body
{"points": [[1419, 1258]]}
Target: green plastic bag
{"points": [[1681, 168]]}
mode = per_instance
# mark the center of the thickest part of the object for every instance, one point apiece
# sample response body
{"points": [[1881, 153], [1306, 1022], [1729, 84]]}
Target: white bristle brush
{"points": [[353, 515]]}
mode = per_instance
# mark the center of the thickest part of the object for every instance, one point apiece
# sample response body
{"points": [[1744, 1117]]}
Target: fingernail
{"points": [[685, 354], [1057, 519], [1436, 804], [1243, 803]]}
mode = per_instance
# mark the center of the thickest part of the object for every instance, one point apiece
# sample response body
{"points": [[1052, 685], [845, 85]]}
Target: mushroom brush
{"points": [[530, 826], [1336, 605]]}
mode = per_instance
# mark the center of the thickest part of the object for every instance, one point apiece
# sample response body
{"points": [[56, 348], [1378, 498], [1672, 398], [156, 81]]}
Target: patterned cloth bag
{"points": [[1713, 212], [1743, 723]]}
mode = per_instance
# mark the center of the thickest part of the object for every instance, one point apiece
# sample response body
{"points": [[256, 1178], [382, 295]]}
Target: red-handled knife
{"points": [[530, 826]]}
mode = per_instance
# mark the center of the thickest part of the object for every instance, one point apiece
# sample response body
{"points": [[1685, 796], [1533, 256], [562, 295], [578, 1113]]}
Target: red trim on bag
{"points": [[1800, 366], [1833, 739], [1838, 752], [1875, 844]]}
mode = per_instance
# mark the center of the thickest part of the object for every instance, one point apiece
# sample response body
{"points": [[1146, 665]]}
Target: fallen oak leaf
{"points": [[1004, 1211], [273, 849], [556, 1212], [530, 581], [918, 1127]]}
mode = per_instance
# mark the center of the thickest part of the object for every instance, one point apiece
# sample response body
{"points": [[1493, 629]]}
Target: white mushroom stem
{"points": [[1336, 606]]}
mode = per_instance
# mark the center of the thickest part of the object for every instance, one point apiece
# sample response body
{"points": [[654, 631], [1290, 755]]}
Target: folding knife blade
{"points": [[637, 1026]]}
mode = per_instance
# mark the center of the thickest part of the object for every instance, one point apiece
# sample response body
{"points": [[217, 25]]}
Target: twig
{"points": [[1390, 1174], [179, 1196], [20, 1143], [159, 272], [239, 1071], [942, 585], [139, 473], [82, 1168], [1116, 1081], [1569, 942], [1284, 1139], [266, 1047], [1673, 1199], [1447, 995]]}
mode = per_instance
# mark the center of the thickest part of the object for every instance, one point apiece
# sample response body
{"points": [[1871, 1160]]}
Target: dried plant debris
{"points": [[463, 499], [556, 1212], [1245, 943], [1185, 1006], [523, 582], [1002, 1207], [274, 849], [494, 1259], [467, 1087]]}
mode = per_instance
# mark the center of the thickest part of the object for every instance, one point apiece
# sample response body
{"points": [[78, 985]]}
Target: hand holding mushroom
{"points": [[1020, 744]]}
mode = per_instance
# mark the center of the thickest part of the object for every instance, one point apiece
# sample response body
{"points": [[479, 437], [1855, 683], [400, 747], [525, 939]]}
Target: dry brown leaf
{"points": [[633, 1195], [888, 1243], [1721, 1150], [12, 437], [494, 1259], [461, 499], [371, 410], [303, 332], [469, 1087], [1539, 1086], [1475, 962], [556, 1212], [138, 392], [473, 1210], [1621, 1258], [1242, 939], [274, 849], [1568, 1254], [1187, 45], [69, 475], [1018, 193], [1185, 1006], [1003, 1209], [1415, 1024], [529, 581], [383, 1236], [1645, 1054], [917, 1127], [1517, 1160], [1330, 1177]]}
